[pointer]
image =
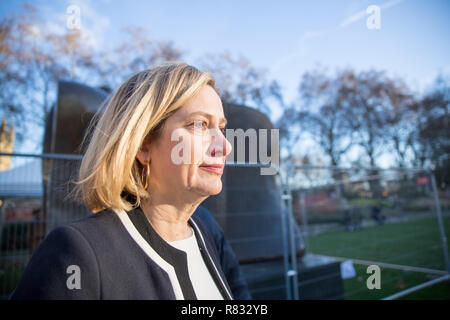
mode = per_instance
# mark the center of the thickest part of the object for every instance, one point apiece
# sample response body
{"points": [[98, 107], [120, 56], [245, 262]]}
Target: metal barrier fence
{"points": [[32, 204], [349, 219], [24, 216], [391, 219]]}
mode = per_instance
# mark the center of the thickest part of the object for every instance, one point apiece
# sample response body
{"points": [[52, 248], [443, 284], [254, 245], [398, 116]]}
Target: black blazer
{"points": [[115, 255]]}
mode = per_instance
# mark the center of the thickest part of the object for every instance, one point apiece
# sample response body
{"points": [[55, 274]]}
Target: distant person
{"points": [[143, 241], [377, 215], [352, 219]]}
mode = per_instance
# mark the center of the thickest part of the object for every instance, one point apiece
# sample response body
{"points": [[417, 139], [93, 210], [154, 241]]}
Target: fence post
{"points": [[304, 221], [291, 274], [294, 269], [285, 238], [440, 221]]}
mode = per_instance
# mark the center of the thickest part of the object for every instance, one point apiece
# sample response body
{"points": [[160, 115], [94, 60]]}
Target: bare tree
{"points": [[366, 109], [136, 52], [401, 124], [12, 76], [35, 58], [369, 99], [242, 83], [430, 141], [319, 112]]}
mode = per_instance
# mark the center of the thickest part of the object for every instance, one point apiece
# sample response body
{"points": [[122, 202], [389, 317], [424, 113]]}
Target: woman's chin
{"points": [[214, 192], [210, 188]]}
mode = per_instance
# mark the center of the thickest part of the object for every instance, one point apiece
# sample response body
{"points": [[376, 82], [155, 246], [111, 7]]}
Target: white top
{"points": [[204, 285]]}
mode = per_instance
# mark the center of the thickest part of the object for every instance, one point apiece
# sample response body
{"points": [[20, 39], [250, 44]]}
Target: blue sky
{"points": [[286, 37]]}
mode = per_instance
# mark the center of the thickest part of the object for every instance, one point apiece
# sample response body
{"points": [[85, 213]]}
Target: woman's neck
{"points": [[170, 221]]}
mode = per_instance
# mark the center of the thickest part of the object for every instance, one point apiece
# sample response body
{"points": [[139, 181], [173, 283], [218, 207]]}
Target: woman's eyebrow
{"points": [[208, 115]]}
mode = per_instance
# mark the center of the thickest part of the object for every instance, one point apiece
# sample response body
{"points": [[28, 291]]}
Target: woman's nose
{"points": [[221, 146]]}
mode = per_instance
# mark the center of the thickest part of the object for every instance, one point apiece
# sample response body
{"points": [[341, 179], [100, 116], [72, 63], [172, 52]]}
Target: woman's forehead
{"points": [[206, 103]]}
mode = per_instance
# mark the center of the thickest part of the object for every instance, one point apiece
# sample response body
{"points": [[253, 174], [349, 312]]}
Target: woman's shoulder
{"points": [[100, 230], [65, 249], [82, 233], [95, 222]]}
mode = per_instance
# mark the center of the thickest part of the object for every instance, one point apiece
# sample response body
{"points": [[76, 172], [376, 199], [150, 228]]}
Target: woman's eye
{"points": [[199, 125]]}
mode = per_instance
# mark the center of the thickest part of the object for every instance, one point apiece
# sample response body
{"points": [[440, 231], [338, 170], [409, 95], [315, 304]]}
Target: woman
{"points": [[142, 242]]}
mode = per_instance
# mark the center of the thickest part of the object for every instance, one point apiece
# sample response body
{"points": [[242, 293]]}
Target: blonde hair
{"points": [[109, 172]]}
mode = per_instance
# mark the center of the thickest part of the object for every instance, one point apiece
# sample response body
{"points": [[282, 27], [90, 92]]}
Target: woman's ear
{"points": [[143, 155]]}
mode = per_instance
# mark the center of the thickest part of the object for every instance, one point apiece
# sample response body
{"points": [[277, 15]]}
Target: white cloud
{"points": [[353, 18]]}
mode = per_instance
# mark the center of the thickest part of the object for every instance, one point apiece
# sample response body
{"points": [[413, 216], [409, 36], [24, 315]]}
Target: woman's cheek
{"points": [[197, 149], [186, 148]]}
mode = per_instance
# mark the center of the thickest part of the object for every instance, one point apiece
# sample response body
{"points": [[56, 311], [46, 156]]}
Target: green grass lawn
{"points": [[393, 281], [414, 243], [8, 281], [440, 291]]}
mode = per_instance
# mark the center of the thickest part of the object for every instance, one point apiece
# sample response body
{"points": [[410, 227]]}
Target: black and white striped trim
{"points": [[163, 264], [211, 261]]}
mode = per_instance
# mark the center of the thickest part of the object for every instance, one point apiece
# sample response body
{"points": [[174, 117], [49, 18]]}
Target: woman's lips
{"points": [[215, 168]]}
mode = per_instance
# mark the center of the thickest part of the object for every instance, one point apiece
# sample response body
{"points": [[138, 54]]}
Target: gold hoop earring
{"points": [[146, 175]]}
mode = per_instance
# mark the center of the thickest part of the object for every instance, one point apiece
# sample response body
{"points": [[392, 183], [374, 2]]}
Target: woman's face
{"points": [[191, 141]]}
